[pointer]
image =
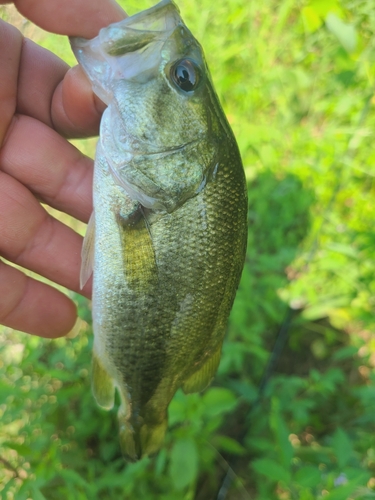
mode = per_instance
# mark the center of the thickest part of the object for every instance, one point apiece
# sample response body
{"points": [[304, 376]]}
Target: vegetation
{"points": [[297, 80]]}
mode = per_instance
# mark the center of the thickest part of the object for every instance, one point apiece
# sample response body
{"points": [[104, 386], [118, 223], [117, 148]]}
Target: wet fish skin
{"points": [[169, 232]]}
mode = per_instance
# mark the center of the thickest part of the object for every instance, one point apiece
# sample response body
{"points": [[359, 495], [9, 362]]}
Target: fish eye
{"points": [[185, 74]]}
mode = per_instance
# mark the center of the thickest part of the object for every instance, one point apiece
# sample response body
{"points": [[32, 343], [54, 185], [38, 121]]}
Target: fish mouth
{"points": [[138, 31], [128, 50]]}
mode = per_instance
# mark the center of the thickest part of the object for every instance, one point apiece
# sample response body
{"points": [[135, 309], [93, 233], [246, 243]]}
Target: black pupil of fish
{"points": [[185, 75]]}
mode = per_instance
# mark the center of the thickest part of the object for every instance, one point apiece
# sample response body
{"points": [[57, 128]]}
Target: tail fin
{"points": [[140, 439]]}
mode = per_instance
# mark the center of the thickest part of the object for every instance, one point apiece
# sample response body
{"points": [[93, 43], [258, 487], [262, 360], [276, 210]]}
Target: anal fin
{"points": [[102, 384], [202, 377]]}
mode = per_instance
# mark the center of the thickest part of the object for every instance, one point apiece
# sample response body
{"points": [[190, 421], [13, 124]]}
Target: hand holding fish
{"points": [[41, 102]]}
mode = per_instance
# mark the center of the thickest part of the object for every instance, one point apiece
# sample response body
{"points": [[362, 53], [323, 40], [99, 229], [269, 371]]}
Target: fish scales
{"points": [[169, 228]]}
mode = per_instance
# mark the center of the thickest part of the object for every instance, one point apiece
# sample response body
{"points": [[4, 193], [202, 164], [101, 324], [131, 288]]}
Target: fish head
{"points": [[163, 126]]}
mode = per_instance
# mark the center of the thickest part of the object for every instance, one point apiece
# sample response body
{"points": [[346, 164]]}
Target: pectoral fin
{"points": [[102, 384], [139, 256], [87, 253], [201, 378]]}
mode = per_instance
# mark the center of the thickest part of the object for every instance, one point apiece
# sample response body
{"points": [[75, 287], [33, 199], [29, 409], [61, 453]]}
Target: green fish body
{"points": [[167, 238]]}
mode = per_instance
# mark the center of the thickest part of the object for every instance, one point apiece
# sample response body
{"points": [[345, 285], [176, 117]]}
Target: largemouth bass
{"points": [[167, 238]]}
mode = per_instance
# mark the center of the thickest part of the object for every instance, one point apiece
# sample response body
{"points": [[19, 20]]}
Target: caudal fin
{"points": [[140, 439]]}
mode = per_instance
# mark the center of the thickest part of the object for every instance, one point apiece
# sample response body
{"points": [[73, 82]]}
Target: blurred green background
{"points": [[296, 79]]}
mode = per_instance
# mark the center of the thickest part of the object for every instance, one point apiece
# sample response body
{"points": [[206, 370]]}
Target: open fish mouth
{"points": [[128, 50], [136, 32]]}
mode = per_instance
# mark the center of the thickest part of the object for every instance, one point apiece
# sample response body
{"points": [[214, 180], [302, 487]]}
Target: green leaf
{"points": [[284, 446], [306, 495], [218, 400], [21, 449], [307, 476], [229, 445], [342, 447], [183, 467], [346, 352], [176, 412], [74, 478], [38, 495], [271, 469], [324, 308], [347, 250], [344, 32], [6, 391], [344, 492], [160, 462], [323, 7], [311, 19]]}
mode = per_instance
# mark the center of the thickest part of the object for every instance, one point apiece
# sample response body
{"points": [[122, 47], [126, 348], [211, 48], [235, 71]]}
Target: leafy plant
{"points": [[297, 82]]}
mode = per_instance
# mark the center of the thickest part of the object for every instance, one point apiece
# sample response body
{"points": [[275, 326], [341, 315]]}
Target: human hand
{"points": [[42, 101]]}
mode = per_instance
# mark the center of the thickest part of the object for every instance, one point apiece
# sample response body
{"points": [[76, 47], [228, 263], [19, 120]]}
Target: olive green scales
{"points": [[167, 238]]}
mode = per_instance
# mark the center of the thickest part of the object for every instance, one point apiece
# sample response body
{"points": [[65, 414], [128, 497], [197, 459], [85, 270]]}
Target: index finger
{"points": [[71, 17], [62, 101]]}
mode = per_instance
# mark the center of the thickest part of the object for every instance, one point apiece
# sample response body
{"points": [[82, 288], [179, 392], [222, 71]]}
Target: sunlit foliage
{"points": [[297, 81]]}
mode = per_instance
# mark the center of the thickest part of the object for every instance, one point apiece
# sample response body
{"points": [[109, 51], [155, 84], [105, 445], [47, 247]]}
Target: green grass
{"points": [[297, 85]]}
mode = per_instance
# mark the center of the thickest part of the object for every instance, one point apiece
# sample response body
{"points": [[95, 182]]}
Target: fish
{"points": [[166, 242]]}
